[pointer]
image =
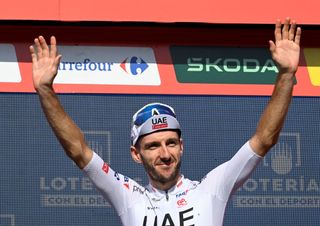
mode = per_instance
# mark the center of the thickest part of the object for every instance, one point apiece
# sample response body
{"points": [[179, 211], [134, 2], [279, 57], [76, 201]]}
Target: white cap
{"points": [[151, 118]]}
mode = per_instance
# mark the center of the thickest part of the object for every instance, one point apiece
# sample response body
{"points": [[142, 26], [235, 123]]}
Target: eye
{"points": [[172, 143], [152, 146]]}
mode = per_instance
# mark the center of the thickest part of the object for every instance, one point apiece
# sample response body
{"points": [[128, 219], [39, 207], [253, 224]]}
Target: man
{"points": [[169, 199]]}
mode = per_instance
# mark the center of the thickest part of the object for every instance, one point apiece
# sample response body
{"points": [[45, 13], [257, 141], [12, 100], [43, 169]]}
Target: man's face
{"points": [[160, 154]]}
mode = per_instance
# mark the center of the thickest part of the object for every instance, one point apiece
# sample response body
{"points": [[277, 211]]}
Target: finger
{"points": [[285, 28], [277, 31], [44, 46], [56, 63], [33, 54], [298, 36], [53, 47], [38, 47], [292, 30]]}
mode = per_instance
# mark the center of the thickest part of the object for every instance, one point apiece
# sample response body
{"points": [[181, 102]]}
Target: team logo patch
{"points": [[159, 123], [181, 202], [105, 168], [126, 182]]}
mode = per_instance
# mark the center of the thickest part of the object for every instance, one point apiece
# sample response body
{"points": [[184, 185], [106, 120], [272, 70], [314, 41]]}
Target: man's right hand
{"points": [[45, 62]]}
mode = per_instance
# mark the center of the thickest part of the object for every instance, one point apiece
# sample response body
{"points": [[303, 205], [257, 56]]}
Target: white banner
{"points": [[108, 66]]}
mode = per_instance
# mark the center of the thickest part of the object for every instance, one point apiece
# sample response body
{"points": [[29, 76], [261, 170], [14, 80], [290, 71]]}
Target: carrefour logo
{"points": [[108, 65], [134, 65], [86, 64]]}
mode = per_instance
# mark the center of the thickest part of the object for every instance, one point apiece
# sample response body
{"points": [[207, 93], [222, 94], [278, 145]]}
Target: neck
{"points": [[165, 186]]}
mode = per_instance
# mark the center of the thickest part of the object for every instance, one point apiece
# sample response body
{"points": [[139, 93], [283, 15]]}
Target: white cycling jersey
{"points": [[189, 203]]}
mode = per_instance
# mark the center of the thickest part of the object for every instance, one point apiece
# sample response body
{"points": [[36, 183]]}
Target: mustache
{"points": [[167, 160]]}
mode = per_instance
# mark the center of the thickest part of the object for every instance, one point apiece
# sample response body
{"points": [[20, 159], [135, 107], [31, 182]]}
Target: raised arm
{"points": [[285, 52], [45, 62]]}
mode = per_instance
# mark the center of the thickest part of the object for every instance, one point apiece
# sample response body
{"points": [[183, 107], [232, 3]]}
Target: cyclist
{"points": [[170, 198]]}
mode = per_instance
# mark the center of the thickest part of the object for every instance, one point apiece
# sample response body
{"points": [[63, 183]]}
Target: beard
{"points": [[156, 176]]}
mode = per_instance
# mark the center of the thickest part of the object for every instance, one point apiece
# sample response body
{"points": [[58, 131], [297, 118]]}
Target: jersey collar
{"points": [[183, 185]]}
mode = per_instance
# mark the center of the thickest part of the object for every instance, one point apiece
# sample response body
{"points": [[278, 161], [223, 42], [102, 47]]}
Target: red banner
{"points": [[206, 11]]}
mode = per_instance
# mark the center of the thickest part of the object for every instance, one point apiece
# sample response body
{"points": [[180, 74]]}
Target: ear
{"points": [[135, 154], [181, 146]]}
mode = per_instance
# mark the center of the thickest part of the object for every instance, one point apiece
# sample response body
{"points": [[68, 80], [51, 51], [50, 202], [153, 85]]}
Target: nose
{"points": [[164, 152]]}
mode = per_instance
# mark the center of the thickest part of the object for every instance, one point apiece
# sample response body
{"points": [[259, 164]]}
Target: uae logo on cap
{"points": [[158, 122]]}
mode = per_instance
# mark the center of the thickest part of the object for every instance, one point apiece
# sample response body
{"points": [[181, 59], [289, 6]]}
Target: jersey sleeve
{"points": [[229, 176], [114, 187]]}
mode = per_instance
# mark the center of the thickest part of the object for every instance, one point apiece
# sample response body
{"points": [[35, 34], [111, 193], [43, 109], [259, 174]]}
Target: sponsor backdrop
{"points": [[164, 69], [40, 186]]}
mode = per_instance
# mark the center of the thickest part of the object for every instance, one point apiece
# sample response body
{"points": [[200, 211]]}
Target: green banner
{"points": [[223, 65]]}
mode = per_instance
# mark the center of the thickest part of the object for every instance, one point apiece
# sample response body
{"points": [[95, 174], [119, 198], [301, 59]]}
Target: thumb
{"points": [[272, 46], [57, 60]]}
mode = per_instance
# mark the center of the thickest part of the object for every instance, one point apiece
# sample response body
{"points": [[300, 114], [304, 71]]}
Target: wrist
{"points": [[44, 88], [287, 73]]}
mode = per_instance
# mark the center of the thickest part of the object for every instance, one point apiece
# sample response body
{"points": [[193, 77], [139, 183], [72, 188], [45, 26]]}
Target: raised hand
{"points": [[285, 50], [45, 62]]}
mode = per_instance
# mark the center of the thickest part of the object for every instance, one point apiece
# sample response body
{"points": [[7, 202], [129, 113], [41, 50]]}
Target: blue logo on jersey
{"points": [[182, 193], [134, 65]]}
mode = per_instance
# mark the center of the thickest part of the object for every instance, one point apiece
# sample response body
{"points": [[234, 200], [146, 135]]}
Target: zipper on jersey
{"points": [[167, 196]]}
